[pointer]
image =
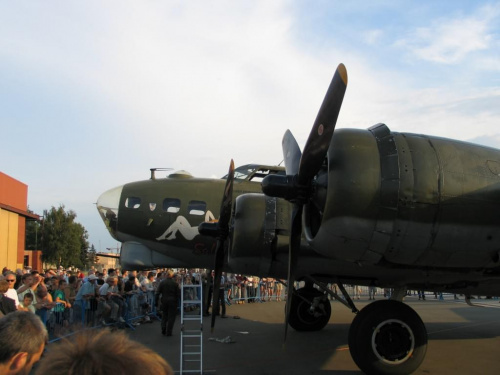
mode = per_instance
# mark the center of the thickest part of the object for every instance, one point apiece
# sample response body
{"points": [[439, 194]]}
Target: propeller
{"points": [[220, 230], [296, 186]]}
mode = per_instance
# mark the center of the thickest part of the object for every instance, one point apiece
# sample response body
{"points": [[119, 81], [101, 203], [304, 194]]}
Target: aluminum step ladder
{"points": [[191, 329]]}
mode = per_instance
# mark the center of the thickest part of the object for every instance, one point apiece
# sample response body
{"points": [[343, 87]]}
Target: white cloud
{"points": [[451, 40], [372, 37], [190, 85]]}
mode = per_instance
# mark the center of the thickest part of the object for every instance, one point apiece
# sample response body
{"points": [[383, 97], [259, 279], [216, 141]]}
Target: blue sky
{"points": [[95, 93]]}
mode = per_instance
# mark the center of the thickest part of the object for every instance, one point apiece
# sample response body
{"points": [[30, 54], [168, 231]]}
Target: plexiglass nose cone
{"points": [[107, 206]]}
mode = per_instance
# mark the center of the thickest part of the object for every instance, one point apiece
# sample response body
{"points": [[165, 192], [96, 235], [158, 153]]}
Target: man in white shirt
{"points": [[109, 293], [11, 292]]}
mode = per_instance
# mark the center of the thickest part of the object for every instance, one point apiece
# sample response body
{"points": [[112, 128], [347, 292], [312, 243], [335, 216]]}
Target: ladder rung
{"points": [[192, 338]]}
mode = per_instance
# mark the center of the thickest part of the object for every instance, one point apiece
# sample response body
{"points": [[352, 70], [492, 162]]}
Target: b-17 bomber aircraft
{"points": [[368, 207]]}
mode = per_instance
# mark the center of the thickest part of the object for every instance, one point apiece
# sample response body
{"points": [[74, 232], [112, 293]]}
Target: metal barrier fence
{"points": [[264, 292], [94, 312], [139, 307]]}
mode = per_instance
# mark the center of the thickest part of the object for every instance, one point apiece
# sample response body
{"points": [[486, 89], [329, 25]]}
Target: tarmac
{"points": [[462, 340]]}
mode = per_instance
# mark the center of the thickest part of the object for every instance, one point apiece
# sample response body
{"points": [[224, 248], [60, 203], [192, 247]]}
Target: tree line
{"points": [[63, 241]]}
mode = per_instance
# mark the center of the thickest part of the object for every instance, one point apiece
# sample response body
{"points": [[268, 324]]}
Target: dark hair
{"points": [[21, 331], [4, 286], [100, 353]]}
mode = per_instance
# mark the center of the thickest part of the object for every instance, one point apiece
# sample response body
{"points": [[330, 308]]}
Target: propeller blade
{"points": [[296, 186], [293, 255], [219, 263], [322, 131], [222, 233], [227, 200], [291, 153]]}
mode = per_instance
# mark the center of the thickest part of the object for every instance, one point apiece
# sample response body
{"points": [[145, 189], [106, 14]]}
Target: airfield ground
{"points": [[462, 340]]}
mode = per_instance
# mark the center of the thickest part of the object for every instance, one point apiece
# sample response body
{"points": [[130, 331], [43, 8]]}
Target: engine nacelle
{"points": [[407, 199], [259, 233]]}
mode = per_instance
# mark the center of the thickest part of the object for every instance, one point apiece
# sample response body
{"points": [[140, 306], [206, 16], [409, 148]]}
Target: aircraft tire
{"points": [[301, 318], [388, 337]]}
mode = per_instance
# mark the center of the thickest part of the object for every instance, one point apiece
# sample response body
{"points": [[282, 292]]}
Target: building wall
{"points": [[105, 262], [9, 229], [13, 212], [13, 192]]}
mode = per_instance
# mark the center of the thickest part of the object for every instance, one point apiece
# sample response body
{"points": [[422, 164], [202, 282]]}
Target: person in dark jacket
{"points": [[7, 305], [170, 294]]}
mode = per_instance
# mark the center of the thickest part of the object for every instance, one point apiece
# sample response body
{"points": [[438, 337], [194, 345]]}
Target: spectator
{"points": [[5, 270], [130, 287], [109, 293], [7, 305], [60, 299], [371, 291], [134, 273], [10, 277], [147, 283], [44, 302], [22, 341], [85, 298], [70, 289], [19, 274], [102, 353], [170, 295], [27, 303], [279, 289], [29, 284]]}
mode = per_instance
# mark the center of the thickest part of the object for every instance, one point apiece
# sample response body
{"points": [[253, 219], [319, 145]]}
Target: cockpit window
{"points": [[242, 173], [172, 205], [133, 202], [255, 172], [197, 208]]}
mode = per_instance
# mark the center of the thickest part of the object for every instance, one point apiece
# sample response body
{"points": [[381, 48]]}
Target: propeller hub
{"points": [[286, 187]]}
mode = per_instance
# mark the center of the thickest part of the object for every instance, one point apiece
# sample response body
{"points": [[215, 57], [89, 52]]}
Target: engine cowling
{"points": [[259, 233], [406, 199]]}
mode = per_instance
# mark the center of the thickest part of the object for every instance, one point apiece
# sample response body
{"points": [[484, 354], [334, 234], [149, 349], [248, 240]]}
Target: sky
{"points": [[93, 94]]}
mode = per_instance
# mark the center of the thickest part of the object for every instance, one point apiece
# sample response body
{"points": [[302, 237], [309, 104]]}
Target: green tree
{"points": [[91, 257], [33, 234], [64, 240]]}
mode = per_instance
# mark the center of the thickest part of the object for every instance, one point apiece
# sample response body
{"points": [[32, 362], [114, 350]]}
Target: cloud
{"points": [[105, 91], [372, 37], [451, 40]]}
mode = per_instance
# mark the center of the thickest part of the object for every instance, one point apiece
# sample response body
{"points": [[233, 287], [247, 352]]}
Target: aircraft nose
{"points": [[107, 206]]}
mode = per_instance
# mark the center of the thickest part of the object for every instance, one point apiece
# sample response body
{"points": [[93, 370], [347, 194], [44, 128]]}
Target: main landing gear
{"points": [[386, 337], [310, 310]]}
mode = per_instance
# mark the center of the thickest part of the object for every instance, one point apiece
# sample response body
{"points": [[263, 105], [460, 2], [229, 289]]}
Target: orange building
{"points": [[13, 216]]}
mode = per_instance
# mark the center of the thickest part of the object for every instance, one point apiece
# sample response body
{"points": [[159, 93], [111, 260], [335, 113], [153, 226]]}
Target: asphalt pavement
{"points": [[462, 340]]}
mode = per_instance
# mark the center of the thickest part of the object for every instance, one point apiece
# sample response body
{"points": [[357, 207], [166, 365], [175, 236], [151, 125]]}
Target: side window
{"points": [[133, 202], [171, 205], [197, 208]]}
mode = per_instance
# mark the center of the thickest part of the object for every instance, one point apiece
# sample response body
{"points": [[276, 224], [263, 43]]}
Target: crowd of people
{"points": [[62, 297], [23, 339], [67, 298]]}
